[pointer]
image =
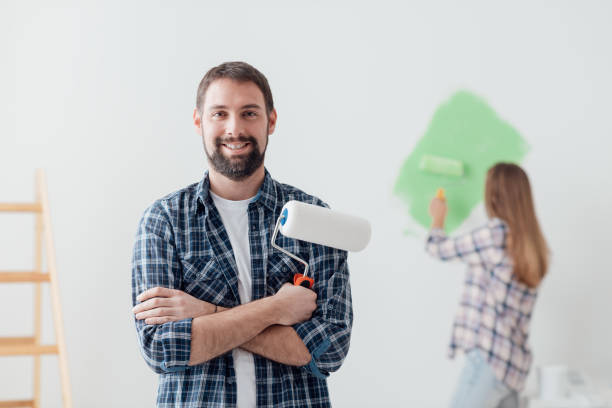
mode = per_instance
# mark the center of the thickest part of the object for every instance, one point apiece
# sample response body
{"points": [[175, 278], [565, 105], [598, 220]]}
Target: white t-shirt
{"points": [[236, 221]]}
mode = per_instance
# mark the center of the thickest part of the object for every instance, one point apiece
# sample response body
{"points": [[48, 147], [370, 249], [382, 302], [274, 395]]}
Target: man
{"points": [[215, 315]]}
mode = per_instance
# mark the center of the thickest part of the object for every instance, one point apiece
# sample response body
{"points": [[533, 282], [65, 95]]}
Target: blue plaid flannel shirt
{"points": [[182, 244]]}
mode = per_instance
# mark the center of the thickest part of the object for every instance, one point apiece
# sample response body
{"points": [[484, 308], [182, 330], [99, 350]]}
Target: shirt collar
{"points": [[266, 195]]}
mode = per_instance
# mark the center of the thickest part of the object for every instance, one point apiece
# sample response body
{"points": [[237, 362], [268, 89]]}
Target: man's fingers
{"points": [[155, 292], [157, 312], [160, 320], [152, 304]]}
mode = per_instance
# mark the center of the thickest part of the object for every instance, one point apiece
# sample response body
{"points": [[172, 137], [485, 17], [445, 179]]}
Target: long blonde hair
{"points": [[508, 197]]}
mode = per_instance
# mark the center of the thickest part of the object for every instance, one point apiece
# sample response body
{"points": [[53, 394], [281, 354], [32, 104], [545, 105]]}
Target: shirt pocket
{"points": [[204, 280], [281, 269]]}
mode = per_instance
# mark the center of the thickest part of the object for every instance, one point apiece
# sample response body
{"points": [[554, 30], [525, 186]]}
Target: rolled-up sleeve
{"points": [[483, 246], [327, 334], [166, 347]]}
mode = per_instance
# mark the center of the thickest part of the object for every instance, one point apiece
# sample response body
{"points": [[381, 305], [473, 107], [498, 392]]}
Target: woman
{"points": [[507, 259]]}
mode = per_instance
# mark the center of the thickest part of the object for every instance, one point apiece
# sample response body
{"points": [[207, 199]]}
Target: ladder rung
{"points": [[14, 341], [21, 207], [15, 277], [13, 404], [27, 349]]}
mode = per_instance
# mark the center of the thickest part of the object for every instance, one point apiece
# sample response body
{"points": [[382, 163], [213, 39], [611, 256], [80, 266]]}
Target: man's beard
{"points": [[236, 168]]}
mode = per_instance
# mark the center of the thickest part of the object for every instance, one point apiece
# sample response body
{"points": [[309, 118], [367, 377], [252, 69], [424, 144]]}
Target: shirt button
{"points": [[230, 380], [254, 227], [285, 269]]}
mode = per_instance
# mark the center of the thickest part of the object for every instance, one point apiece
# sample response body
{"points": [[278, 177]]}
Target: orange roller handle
{"points": [[301, 280], [440, 194]]}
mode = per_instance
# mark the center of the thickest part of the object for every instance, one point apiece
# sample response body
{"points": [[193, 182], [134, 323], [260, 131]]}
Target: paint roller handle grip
{"points": [[301, 280]]}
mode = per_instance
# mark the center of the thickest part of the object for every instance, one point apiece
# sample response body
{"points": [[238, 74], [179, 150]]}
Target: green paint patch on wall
{"points": [[464, 128]]}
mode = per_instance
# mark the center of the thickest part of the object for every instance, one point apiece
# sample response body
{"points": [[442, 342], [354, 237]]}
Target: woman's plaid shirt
{"points": [[495, 308], [181, 243]]}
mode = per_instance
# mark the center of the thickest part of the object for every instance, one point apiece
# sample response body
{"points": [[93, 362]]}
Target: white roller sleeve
{"points": [[323, 226]]}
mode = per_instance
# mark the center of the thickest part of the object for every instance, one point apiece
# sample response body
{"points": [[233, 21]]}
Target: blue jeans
{"points": [[479, 388]]}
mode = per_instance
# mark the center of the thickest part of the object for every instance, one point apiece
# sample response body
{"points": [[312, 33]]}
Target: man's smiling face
{"points": [[235, 127]]}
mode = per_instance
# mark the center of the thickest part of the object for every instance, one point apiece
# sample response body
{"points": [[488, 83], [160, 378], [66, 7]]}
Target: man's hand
{"points": [[160, 305], [295, 304]]}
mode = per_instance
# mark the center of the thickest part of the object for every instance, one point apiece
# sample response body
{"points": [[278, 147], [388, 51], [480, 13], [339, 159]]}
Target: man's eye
{"points": [[250, 114], [218, 114]]}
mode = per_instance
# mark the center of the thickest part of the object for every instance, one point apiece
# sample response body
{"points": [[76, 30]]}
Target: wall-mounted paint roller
{"points": [[320, 225], [442, 166]]}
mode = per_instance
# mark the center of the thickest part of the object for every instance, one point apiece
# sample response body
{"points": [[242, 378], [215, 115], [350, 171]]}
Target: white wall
{"points": [[101, 95]]}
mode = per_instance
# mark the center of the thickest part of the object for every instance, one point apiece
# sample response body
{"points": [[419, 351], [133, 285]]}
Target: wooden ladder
{"points": [[20, 346]]}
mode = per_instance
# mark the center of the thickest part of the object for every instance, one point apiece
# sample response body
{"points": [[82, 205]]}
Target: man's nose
{"points": [[233, 126]]}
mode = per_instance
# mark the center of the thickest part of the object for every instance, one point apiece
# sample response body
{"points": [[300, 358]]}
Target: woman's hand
{"points": [[161, 305], [438, 210]]}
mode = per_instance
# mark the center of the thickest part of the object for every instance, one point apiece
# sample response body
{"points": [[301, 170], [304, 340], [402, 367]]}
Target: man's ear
{"points": [[272, 121], [197, 121]]}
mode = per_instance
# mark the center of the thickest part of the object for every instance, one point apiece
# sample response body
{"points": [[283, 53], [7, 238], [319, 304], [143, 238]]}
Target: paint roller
{"points": [[442, 166], [320, 225]]}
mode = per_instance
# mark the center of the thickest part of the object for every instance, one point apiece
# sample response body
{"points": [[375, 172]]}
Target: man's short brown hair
{"points": [[237, 71]]}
